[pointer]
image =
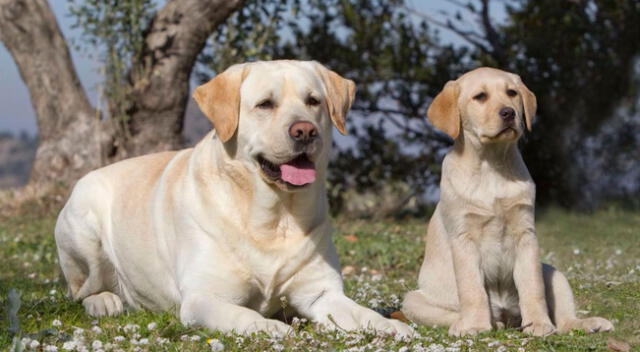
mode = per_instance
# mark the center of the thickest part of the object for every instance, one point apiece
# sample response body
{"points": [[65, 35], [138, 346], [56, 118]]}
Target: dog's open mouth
{"points": [[298, 172]]}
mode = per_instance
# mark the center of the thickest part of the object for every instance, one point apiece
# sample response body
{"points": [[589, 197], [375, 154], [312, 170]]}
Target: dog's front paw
{"points": [[588, 325], [103, 304], [542, 328], [392, 327], [270, 326], [464, 327]]}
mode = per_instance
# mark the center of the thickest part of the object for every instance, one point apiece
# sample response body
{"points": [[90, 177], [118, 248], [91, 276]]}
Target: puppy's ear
{"points": [[219, 100], [443, 111], [340, 93], [529, 102]]}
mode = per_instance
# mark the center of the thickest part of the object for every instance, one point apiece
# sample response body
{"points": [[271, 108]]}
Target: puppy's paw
{"points": [[101, 304], [539, 329], [270, 326], [468, 327], [392, 327], [588, 325]]}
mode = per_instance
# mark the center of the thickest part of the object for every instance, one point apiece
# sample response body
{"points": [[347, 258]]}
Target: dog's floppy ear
{"points": [[219, 100], [529, 102], [340, 93], [443, 111]]}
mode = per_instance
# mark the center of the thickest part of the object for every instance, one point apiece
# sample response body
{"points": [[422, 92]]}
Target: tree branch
{"points": [[177, 34], [70, 131], [491, 35], [471, 37]]}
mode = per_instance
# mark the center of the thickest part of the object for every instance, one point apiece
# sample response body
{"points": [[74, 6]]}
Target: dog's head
{"points": [[490, 104], [278, 115]]}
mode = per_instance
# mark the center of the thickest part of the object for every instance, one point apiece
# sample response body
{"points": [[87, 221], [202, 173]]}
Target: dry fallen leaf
{"points": [[348, 270], [617, 345], [398, 315], [351, 238]]}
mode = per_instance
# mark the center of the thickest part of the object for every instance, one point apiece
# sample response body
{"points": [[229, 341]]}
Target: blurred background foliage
{"points": [[580, 57]]}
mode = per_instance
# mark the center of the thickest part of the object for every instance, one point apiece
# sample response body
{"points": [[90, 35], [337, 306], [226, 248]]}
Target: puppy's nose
{"points": [[507, 114], [303, 131]]}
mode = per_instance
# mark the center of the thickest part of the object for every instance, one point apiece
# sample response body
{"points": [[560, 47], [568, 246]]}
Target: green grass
{"points": [[599, 253]]}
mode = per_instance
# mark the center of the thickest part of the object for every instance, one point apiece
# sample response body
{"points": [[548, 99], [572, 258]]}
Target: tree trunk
{"points": [[73, 139], [69, 128], [160, 84]]}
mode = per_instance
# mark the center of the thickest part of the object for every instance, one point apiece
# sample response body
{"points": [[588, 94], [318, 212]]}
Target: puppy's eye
{"points": [[512, 92], [265, 104], [312, 101], [480, 97]]}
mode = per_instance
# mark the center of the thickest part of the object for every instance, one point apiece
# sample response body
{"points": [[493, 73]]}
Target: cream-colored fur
{"points": [[205, 230], [482, 264]]}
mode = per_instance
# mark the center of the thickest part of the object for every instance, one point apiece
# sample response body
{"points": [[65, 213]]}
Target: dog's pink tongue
{"points": [[298, 172]]}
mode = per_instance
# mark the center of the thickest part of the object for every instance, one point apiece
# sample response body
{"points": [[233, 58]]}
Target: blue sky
{"points": [[16, 112]]}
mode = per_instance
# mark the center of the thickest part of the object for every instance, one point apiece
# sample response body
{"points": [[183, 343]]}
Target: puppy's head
{"points": [[487, 103], [279, 115]]}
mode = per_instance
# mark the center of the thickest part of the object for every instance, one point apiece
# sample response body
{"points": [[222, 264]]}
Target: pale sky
{"points": [[16, 112]]}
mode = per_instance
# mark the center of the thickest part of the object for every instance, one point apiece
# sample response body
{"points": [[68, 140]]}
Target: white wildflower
{"points": [[56, 323], [216, 345], [162, 340], [195, 338], [576, 251], [119, 338], [69, 346], [151, 326], [97, 344], [436, 348], [131, 328], [50, 348], [144, 341], [34, 344], [97, 330]]}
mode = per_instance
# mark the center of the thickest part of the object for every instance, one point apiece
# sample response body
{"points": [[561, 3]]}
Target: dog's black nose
{"points": [[507, 114], [303, 131]]}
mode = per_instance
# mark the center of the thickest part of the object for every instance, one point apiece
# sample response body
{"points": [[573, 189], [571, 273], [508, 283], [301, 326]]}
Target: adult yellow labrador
{"points": [[482, 263], [226, 229]]}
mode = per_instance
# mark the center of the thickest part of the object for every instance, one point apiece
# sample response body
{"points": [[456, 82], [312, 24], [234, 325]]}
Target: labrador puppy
{"points": [[224, 231], [482, 264]]}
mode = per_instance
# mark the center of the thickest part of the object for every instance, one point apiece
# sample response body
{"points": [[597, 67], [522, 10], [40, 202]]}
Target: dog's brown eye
{"points": [[265, 104], [480, 97], [312, 101], [511, 92]]}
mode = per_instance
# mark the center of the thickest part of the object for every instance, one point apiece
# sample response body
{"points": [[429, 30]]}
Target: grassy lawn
{"points": [[599, 253]]}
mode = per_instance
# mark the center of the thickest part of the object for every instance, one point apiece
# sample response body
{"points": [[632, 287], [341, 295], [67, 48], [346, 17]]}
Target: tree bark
{"points": [[176, 36], [73, 139], [69, 128]]}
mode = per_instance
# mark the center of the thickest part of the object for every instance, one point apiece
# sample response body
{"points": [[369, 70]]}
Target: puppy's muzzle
{"points": [[508, 115]]}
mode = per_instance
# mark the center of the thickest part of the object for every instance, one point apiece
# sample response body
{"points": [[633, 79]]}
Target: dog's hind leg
{"points": [[417, 308], [89, 273], [562, 307]]}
